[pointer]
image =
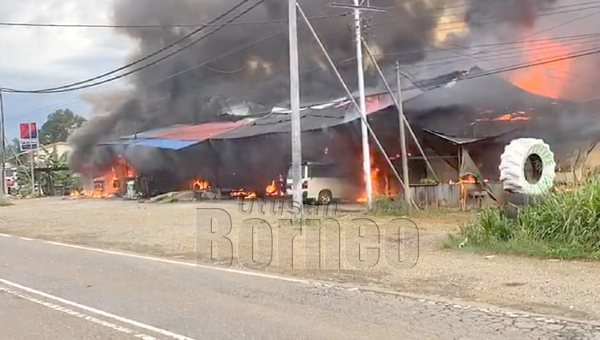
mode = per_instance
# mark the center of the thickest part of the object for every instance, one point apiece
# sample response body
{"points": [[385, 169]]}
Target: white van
{"points": [[324, 183]]}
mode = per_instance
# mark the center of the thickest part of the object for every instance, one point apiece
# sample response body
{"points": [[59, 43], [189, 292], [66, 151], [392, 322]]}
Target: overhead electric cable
{"points": [[190, 44], [140, 60], [249, 23]]}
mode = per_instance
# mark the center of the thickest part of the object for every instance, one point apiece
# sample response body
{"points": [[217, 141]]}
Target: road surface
{"points": [[55, 291]]}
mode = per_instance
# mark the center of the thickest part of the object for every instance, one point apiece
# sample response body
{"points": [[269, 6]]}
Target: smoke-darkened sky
{"points": [[38, 57]]}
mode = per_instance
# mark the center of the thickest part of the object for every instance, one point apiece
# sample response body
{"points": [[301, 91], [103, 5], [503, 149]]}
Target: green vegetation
{"points": [[59, 126], [561, 225], [5, 203], [389, 206]]}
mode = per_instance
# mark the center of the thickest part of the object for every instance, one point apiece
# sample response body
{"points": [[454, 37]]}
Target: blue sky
{"points": [[33, 58]]}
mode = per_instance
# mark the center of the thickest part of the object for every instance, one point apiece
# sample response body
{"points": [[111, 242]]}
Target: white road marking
{"points": [[78, 314], [97, 311], [181, 263], [26, 239], [4, 235]]}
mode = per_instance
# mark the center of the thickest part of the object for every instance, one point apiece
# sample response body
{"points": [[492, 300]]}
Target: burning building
{"points": [[190, 120], [247, 157]]}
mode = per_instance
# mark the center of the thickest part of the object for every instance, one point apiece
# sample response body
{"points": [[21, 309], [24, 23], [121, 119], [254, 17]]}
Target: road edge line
{"points": [[97, 311]]}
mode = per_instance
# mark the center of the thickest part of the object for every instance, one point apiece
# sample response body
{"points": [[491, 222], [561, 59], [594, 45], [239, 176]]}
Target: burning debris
{"points": [[200, 184], [512, 117]]}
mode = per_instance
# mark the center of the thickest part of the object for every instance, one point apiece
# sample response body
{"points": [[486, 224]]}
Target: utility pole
{"points": [[363, 107], [361, 93], [351, 96], [2, 150], [295, 106], [407, 197]]}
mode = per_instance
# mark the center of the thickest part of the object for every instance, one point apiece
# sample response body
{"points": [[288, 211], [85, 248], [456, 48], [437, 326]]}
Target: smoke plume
{"points": [[259, 74]]}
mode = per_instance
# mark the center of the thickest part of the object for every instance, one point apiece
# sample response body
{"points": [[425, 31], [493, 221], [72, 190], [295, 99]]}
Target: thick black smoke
{"points": [[519, 12], [259, 74]]}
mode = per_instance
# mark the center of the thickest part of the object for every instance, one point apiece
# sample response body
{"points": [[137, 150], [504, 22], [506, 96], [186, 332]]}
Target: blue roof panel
{"points": [[168, 144]]}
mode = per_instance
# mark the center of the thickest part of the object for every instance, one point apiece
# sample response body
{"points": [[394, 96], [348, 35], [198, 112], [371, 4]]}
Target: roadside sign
{"points": [[28, 136]]}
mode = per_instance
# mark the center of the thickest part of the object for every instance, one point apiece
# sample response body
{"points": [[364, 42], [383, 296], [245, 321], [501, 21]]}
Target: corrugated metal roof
{"points": [[312, 118], [202, 132], [167, 144], [455, 140]]}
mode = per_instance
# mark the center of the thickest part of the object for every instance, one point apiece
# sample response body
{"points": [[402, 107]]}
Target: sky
{"points": [[34, 58]]}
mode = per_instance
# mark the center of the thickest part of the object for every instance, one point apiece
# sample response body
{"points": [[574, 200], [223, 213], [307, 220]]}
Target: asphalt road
{"points": [[53, 291]]}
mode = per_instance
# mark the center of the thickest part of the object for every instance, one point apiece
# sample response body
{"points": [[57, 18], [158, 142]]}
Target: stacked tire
{"points": [[527, 167]]}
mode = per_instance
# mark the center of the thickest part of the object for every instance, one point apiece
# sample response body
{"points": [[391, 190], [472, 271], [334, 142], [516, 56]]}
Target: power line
{"points": [[457, 23], [516, 67], [250, 23], [536, 63], [451, 28], [138, 61], [63, 89], [509, 53], [467, 58], [538, 32], [203, 64]]}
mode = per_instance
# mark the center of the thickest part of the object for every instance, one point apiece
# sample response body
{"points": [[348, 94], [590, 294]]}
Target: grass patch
{"points": [[396, 206], [389, 206], [5, 203], [562, 225]]}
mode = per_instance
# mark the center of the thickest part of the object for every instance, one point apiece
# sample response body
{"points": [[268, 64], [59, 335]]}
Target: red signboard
{"points": [[29, 136], [28, 130]]}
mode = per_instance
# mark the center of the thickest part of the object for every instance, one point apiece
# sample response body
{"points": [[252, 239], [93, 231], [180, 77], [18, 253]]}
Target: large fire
{"points": [[109, 184], [546, 80]]}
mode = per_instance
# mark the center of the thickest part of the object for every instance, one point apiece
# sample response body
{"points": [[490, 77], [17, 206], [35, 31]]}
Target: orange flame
{"points": [[545, 80], [201, 185], [375, 172], [243, 193], [109, 184], [272, 189], [511, 117]]}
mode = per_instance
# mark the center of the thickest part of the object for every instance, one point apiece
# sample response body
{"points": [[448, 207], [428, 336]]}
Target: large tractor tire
{"points": [[527, 167]]}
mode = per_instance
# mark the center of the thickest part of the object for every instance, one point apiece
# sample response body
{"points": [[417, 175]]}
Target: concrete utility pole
{"points": [[2, 150], [361, 93], [363, 107], [405, 176], [295, 106]]}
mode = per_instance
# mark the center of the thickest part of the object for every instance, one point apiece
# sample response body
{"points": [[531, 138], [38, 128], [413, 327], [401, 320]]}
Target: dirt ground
{"points": [[565, 288]]}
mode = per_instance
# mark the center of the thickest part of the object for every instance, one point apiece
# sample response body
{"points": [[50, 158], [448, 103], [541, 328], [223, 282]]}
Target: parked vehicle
{"points": [[325, 183], [11, 176]]}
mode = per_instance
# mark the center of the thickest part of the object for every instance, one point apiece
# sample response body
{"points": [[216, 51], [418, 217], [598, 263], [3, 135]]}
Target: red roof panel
{"points": [[200, 133]]}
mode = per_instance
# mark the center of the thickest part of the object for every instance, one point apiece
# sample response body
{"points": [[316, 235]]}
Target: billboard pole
{"points": [[32, 150], [2, 150]]}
